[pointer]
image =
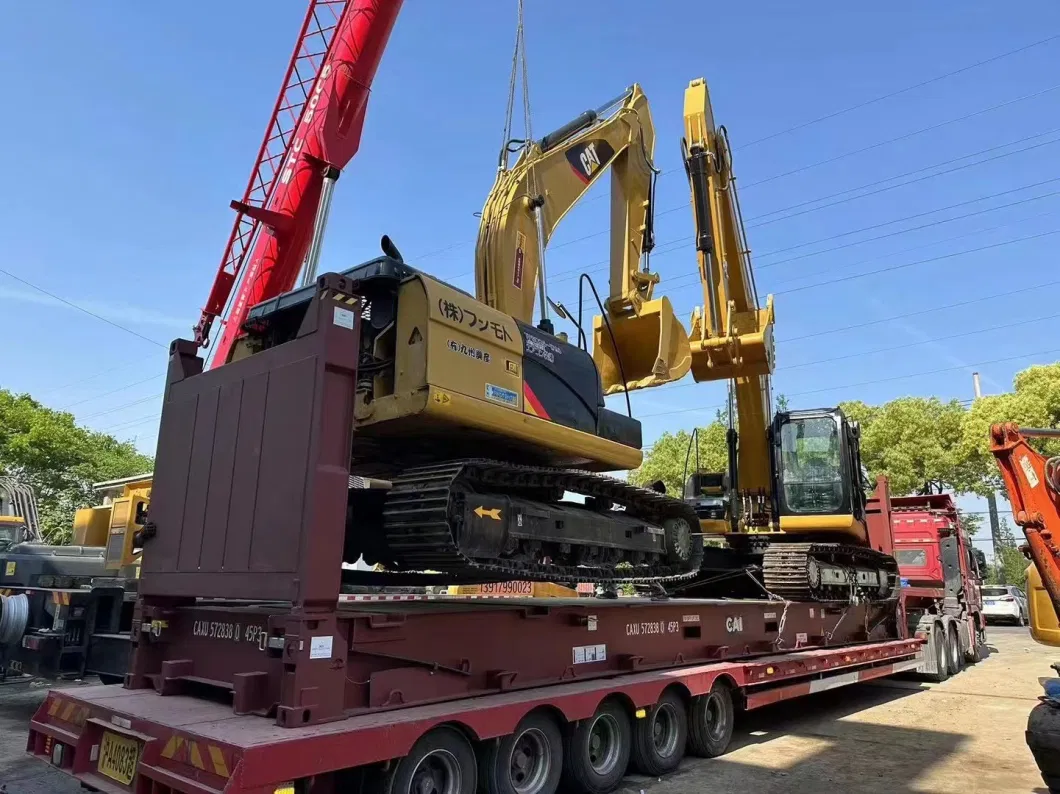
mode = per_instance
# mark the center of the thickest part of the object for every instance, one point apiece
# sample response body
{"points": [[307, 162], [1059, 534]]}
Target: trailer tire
{"points": [[442, 760], [661, 737], [596, 751], [940, 647], [975, 653], [956, 660], [710, 721], [527, 761]]}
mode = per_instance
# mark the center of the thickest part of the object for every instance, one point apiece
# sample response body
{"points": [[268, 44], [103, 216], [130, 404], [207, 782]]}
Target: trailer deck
{"points": [[120, 740]]}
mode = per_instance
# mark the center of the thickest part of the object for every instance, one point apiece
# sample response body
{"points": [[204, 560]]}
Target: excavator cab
{"points": [[817, 466], [640, 348]]}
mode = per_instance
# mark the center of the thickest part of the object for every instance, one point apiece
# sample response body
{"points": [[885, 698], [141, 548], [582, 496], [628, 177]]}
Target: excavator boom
{"points": [[526, 204], [731, 337], [1033, 485]]}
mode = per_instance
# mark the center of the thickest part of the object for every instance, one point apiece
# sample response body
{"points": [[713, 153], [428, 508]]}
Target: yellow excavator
{"points": [[794, 495], [471, 423]]}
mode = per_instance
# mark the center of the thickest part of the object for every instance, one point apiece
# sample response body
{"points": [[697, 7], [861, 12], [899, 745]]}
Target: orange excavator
{"points": [[1033, 484]]}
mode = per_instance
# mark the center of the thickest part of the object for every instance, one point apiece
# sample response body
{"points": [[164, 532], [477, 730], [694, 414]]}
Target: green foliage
{"points": [[666, 459], [912, 440], [1034, 402], [1013, 567], [972, 522], [59, 459]]}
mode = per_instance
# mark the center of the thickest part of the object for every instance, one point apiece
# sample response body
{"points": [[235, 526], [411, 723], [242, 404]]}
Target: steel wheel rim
{"points": [[530, 762], [438, 772], [712, 716], [680, 534], [603, 744], [664, 730]]}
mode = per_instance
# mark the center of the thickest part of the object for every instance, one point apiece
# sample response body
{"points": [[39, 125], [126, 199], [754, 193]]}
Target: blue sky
{"points": [[135, 124]]}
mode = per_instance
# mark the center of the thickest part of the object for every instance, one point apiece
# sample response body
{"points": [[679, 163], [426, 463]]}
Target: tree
{"points": [[972, 522], [913, 441], [59, 459], [1034, 402], [666, 459], [1013, 567]]}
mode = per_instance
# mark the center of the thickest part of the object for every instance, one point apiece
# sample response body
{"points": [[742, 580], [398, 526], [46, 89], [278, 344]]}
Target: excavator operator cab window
{"points": [[812, 466]]}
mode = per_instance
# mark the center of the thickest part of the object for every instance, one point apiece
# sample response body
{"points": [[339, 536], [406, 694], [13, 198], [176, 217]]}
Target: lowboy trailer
{"points": [[444, 690], [252, 673]]}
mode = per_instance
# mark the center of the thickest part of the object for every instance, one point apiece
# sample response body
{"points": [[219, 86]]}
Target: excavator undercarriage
{"points": [[432, 386]]}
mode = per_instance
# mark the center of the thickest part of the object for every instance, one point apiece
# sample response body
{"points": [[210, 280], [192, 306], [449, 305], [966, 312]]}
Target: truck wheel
{"points": [[710, 722], [956, 654], [527, 761], [441, 762], [660, 738], [975, 653], [596, 751], [940, 647]]}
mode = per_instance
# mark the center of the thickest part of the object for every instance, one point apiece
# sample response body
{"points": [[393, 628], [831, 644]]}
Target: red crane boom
{"points": [[314, 131]]}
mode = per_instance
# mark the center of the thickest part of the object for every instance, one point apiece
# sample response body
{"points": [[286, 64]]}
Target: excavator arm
{"points": [[1033, 485], [731, 336], [526, 204]]}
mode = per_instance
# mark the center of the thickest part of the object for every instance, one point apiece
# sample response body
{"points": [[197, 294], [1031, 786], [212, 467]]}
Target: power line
{"points": [[129, 423], [932, 371], [973, 233], [121, 407], [1021, 321], [689, 278], [892, 268], [831, 359], [87, 378], [912, 229], [905, 136], [921, 170], [843, 192], [900, 91], [685, 241], [991, 297], [73, 305], [108, 393]]}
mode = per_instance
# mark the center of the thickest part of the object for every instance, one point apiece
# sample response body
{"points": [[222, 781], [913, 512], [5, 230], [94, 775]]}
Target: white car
{"points": [[1004, 602]]}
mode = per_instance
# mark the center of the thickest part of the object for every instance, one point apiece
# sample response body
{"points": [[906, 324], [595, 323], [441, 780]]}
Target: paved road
{"points": [[895, 737]]}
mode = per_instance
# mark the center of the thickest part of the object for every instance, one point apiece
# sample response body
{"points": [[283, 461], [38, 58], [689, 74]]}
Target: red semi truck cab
{"points": [[941, 575]]}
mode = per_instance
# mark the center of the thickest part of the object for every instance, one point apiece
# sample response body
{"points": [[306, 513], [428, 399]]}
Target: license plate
{"points": [[989, 602], [118, 757]]}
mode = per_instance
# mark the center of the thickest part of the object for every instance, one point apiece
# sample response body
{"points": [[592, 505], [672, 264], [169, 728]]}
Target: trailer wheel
{"points": [[710, 722], [975, 654], [441, 762], [527, 761], [940, 646], [956, 654], [661, 737], [596, 751]]}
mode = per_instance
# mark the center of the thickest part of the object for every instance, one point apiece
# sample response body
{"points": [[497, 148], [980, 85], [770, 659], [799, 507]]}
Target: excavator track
{"points": [[425, 522], [829, 572]]}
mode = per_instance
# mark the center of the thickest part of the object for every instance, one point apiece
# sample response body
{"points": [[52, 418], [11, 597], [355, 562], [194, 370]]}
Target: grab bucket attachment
{"points": [[652, 343]]}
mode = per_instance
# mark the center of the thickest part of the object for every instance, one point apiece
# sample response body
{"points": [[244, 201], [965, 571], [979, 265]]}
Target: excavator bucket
{"points": [[641, 350]]}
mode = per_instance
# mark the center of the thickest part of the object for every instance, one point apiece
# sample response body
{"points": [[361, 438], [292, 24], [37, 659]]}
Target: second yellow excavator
{"points": [[471, 424], [794, 495]]}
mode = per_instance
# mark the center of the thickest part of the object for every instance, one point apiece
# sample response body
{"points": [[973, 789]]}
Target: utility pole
{"points": [[991, 506]]}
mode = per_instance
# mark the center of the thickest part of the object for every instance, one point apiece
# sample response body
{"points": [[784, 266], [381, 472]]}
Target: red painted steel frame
{"points": [[187, 744], [315, 128], [1034, 491], [408, 653]]}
